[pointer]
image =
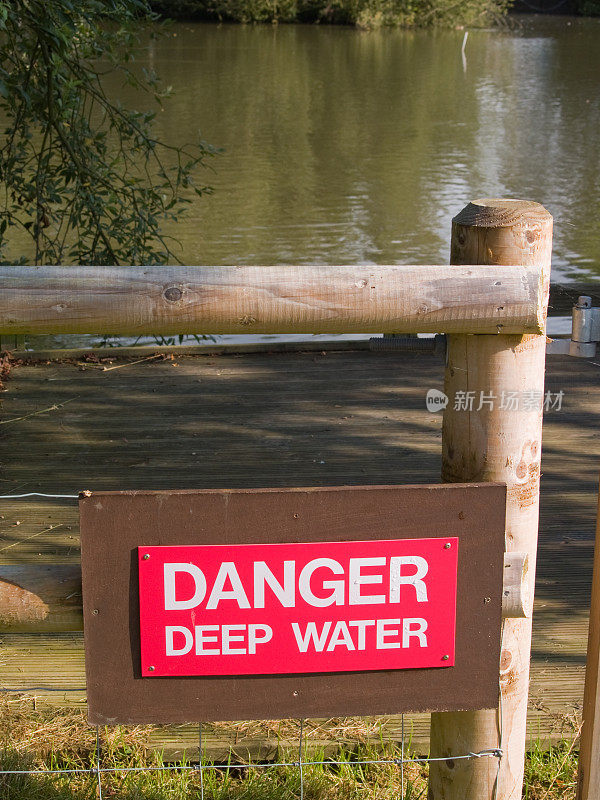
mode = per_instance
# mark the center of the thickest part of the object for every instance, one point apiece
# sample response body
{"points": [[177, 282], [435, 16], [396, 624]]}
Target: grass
{"points": [[551, 773], [61, 739]]}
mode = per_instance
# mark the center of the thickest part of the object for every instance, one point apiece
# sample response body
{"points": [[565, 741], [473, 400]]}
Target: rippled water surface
{"points": [[342, 147]]}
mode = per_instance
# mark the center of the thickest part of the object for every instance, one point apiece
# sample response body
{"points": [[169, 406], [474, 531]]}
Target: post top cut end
{"points": [[498, 212]]}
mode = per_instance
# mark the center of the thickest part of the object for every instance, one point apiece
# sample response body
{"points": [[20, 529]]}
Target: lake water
{"points": [[346, 147]]}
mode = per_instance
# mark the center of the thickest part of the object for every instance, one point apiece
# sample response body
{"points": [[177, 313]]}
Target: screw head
{"points": [[446, 658], [95, 612], [146, 556], [151, 669], [447, 546]]}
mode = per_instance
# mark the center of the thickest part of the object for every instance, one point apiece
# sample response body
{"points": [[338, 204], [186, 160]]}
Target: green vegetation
{"points": [[588, 8], [83, 178], [363, 13], [60, 739], [551, 773]]}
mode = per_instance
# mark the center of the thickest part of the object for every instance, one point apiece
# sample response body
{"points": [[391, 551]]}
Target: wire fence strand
{"points": [[39, 494], [402, 759], [492, 753], [200, 770], [99, 773], [300, 761]]}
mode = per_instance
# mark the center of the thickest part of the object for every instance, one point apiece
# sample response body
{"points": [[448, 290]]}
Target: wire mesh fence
{"points": [[97, 771]]}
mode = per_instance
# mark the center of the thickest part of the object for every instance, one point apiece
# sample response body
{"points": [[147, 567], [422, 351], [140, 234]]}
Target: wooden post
{"points": [[492, 441], [589, 751]]}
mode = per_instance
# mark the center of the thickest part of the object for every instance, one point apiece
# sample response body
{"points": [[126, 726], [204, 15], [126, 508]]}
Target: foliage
{"points": [[363, 13], [83, 179], [588, 8]]}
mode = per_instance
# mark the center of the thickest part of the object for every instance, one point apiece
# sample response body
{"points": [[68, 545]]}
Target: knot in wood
{"points": [[173, 293], [531, 236]]}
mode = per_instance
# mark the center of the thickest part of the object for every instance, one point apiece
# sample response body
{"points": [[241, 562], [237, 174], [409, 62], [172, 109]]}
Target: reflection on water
{"points": [[343, 146]]}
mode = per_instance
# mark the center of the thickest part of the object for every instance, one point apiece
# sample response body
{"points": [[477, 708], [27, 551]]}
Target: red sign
{"points": [[258, 609]]}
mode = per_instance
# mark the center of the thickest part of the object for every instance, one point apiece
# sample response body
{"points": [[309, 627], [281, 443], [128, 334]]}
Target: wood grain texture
{"points": [[517, 590], [518, 216], [41, 598], [496, 444], [177, 300]]}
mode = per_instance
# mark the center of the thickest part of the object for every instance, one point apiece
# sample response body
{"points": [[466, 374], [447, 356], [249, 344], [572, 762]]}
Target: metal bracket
{"points": [[585, 332]]}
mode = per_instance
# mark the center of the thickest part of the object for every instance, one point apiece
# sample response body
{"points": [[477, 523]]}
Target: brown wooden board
{"points": [[114, 524]]}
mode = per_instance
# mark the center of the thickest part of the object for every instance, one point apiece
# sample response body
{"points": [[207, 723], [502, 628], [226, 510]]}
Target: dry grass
{"points": [[46, 738]]}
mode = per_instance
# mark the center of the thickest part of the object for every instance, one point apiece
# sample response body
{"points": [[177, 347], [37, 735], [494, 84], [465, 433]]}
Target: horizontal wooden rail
{"points": [[173, 300], [47, 598], [40, 598]]}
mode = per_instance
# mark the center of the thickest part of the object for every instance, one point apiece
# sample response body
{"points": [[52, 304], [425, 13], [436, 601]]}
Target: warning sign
{"points": [[305, 607]]}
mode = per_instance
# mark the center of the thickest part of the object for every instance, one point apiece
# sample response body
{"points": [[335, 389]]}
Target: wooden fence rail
{"points": [[44, 598], [47, 598], [179, 300]]}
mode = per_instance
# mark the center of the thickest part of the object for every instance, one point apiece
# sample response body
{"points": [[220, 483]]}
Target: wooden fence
{"points": [[482, 292]]}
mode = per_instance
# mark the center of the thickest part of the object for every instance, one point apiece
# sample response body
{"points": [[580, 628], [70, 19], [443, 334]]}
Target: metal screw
{"points": [[295, 694], [446, 658], [151, 669], [95, 611], [447, 546], [146, 556]]}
